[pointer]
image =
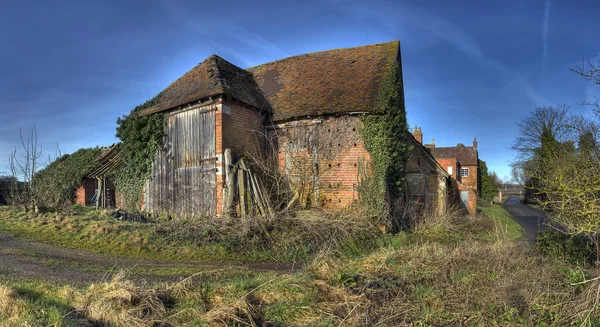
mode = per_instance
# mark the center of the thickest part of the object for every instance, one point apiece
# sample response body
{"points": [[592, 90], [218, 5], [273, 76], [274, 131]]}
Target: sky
{"points": [[470, 68]]}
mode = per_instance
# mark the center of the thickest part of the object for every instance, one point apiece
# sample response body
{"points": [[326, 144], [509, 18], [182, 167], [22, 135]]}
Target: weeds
{"points": [[294, 238], [411, 279]]}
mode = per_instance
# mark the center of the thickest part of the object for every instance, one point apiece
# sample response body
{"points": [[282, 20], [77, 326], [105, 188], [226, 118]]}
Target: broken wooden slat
{"points": [[242, 192], [256, 194], [230, 182]]}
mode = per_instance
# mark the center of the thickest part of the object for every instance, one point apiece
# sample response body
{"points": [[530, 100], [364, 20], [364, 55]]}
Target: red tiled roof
{"points": [[466, 155], [334, 81], [213, 76]]}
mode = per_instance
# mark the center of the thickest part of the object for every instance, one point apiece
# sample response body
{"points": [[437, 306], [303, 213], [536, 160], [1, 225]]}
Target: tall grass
{"points": [[442, 274]]}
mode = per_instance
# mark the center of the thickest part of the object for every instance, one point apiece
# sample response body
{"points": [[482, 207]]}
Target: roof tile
{"points": [[327, 82]]}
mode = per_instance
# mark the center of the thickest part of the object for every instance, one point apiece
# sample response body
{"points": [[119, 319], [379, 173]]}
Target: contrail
{"points": [[547, 5]]}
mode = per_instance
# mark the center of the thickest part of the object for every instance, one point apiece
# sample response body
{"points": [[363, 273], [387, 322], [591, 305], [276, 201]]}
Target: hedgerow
{"points": [[56, 183]]}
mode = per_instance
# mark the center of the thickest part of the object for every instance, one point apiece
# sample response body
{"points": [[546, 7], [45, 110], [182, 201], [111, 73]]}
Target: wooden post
{"points": [[242, 191], [99, 193], [103, 192], [229, 182], [247, 187], [256, 193]]}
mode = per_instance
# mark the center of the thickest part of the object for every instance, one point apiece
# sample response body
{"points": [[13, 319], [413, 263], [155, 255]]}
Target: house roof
{"points": [[213, 76], [327, 82], [466, 155], [334, 81]]}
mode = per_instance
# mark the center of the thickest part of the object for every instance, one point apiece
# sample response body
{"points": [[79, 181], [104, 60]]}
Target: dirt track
{"points": [[26, 260]]}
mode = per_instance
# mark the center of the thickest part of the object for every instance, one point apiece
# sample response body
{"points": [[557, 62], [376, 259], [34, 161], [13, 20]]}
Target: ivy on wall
{"points": [[141, 136], [384, 136]]}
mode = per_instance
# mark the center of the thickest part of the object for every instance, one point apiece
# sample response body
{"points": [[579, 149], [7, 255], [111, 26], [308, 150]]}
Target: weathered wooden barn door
{"points": [[184, 181]]}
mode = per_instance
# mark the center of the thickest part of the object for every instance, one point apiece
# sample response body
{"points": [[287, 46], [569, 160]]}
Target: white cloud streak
{"points": [[453, 34]]}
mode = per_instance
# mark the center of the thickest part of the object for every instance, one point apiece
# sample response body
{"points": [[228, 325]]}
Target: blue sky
{"points": [[470, 68]]}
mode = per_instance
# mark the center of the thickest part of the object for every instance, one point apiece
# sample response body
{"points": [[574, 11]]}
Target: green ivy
{"points": [[141, 136], [58, 181], [384, 136]]}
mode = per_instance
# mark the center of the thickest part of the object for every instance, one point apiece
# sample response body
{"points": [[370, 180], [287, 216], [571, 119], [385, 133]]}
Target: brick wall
{"points": [[85, 191], [471, 204], [460, 183], [330, 152], [471, 180], [241, 128], [80, 195], [445, 163]]}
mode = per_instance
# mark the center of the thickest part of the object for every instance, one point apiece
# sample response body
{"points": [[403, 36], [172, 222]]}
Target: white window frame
{"points": [[463, 171], [450, 170]]}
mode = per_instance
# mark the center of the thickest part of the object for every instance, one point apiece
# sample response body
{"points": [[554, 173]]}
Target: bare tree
{"points": [[23, 167], [531, 128], [591, 71]]}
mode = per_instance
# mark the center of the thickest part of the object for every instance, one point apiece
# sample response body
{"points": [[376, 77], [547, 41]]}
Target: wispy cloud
{"points": [[545, 26], [451, 33], [221, 32]]}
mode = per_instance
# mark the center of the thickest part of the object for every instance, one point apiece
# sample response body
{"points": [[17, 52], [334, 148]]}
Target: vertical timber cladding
{"points": [[184, 179]]}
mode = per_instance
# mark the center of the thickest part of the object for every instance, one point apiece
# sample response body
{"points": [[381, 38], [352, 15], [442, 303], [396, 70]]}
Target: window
{"points": [[464, 172], [450, 170]]}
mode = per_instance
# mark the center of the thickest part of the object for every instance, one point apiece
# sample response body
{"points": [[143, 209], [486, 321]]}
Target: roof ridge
{"points": [[396, 42], [215, 73]]}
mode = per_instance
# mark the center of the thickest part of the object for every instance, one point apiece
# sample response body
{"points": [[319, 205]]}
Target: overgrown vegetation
{"points": [[575, 249], [58, 181], [141, 137], [451, 271], [294, 238], [560, 161], [384, 137]]}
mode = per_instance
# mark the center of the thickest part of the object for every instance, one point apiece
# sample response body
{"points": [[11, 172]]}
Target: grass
{"points": [[281, 239], [100, 233], [412, 279], [503, 222]]}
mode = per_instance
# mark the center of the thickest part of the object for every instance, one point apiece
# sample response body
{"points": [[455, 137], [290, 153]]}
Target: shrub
{"points": [[483, 203], [576, 249]]}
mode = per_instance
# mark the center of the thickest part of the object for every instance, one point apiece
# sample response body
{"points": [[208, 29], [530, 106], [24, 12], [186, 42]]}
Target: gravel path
{"points": [[27, 260]]}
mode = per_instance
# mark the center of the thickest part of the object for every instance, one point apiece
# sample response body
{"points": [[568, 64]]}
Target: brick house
{"points": [[462, 164], [301, 112]]}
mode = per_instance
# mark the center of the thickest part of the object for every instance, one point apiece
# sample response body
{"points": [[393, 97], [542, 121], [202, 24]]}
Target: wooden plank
{"points": [[242, 192], [255, 193], [184, 178]]}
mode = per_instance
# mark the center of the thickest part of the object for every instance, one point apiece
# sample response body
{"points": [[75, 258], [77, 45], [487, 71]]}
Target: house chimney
{"points": [[418, 134], [432, 143], [474, 143]]}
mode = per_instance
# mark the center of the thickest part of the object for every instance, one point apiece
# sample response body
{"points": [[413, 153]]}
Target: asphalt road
{"points": [[532, 220]]}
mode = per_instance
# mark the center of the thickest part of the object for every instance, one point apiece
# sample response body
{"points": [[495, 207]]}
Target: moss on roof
{"points": [[327, 82]]}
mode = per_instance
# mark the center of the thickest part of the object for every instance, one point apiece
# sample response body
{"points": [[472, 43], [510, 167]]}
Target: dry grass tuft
{"points": [[11, 306], [123, 303]]}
